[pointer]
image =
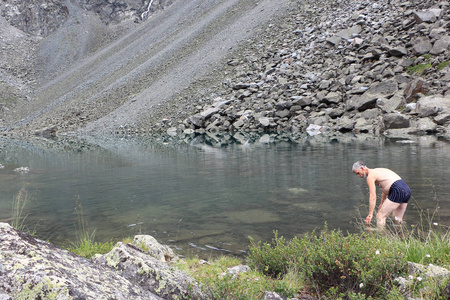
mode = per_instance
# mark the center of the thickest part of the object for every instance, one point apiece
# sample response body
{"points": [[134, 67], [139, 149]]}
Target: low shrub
{"points": [[333, 264], [274, 259], [353, 264]]}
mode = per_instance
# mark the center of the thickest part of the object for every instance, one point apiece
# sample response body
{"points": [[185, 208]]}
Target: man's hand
{"points": [[369, 219]]}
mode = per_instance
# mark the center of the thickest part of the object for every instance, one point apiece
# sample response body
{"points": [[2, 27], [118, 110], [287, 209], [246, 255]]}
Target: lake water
{"points": [[206, 195]]}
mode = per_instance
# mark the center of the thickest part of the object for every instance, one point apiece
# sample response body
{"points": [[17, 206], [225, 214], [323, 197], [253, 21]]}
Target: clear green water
{"points": [[206, 197]]}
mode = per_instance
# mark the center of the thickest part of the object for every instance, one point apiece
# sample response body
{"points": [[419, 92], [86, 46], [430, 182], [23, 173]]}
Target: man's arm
{"points": [[372, 198]]}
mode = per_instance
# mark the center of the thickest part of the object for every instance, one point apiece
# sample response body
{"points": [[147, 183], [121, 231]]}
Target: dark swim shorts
{"points": [[399, 192]]}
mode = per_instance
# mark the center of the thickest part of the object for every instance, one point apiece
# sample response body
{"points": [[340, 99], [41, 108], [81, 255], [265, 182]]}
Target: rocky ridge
{"points": [[341, 66]]}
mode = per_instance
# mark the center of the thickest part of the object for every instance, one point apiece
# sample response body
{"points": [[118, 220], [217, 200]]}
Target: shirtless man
{"points": [[394, 197]]}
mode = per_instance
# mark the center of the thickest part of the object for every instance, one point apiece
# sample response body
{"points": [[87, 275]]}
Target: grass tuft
{"points": [[19, 203]]}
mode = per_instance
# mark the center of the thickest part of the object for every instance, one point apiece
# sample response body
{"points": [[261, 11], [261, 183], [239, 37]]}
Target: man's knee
{"points": [[381, 217]]}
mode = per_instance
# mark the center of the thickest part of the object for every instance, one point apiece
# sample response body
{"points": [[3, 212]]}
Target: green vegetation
{"points": [[442, 65], [19, 203], [219, 283], [333, 265], [418, 69], [86, 245]]}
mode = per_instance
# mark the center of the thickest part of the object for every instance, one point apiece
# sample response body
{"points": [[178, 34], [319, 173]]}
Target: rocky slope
{"points": [[353, 66], [207, 66]]}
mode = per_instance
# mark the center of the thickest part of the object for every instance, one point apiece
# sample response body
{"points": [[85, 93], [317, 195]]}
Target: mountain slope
{"points": [[121, 83]]}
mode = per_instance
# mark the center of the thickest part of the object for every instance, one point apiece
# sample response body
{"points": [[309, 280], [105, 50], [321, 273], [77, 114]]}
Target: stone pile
{"points": [[335, 66]]}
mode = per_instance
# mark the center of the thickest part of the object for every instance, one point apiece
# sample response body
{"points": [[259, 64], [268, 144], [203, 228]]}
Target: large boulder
{"points": [[34, 269], [379, 90], [151, 274], [395, 121], [432, 105]]}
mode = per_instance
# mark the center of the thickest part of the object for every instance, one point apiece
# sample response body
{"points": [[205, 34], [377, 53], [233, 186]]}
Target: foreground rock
{"points": [[34, 269]]}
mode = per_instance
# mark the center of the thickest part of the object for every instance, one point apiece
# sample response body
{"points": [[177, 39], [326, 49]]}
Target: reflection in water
{"points": [[207, 196]]}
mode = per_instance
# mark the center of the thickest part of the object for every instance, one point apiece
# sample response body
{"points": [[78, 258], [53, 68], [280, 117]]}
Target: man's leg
{"points": [[386, 209], [399, 212]]}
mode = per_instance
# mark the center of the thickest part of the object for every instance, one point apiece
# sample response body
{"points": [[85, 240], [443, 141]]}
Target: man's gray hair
{"points": [[357, 165]]}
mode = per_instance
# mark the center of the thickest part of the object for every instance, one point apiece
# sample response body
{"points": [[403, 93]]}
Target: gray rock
{"points": [[437, 33], [302, 101], [371, 114], [267, 122], [209, 112], [350, 32], [283, 105], [424, 126], [441, 45], [426, 16], [361, 102], [398, 51], [391, 104], [333, 97], [385, 88], [36, 18], [432, 105], [427, 271], [422, 46], [442, 119], [344, 124], [35, 268], [134, 264], [334, 40], [316, 129], [335, 112], [161, 252], [197, 120], [272, 296], [395, 121]]}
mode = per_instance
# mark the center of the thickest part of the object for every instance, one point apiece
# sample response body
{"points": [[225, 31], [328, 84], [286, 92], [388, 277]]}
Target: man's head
{"points": [[360, 169]]}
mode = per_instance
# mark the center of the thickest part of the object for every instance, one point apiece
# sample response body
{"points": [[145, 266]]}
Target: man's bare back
{"points": [[384, 178]]}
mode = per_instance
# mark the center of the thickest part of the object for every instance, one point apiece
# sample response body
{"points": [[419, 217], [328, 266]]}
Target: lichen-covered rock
{"points": [[136, 265], [161, 252], [34, 269]]}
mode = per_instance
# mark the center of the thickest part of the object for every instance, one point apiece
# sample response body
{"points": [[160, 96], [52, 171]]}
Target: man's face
{"points": [[360, 172]]}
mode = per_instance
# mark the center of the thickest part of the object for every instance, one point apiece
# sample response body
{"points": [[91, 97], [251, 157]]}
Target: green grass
{"points": [[88, 248], [218, 283], [86, 245], [442, 65], [18, 215], [418, 69]]}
